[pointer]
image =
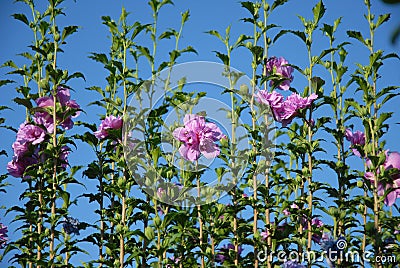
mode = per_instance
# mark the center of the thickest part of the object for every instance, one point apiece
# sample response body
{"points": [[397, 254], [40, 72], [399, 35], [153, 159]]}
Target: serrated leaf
{"points": [[185, 16], [39, 50], [167, 34], [356, 35], [223, 57], [144, 51], [25, 102], [324, 53], [67, 31], [299, 34], [217, 34], [390, 55], [318, 11], [277, 3], [76, 75], [382, 19], [5, 82], [249, 6], [21, 17], [9, 63], [99, 57]]}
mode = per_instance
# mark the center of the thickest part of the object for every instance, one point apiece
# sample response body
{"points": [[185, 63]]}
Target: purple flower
{"points": [[28, 133], [71, 225], [392, 161], [293, 206], [45, 102], [20, 149], [264, 235], [175, 259], [44, 118], [292, 264], [273, 99], [355, 138], [3, 235], [179, 185], [65, 150], [16, 167], [285, 110], [109, 123], [63, 95], [198, 138], [279, 67], [220, 258], [317, 222], [316, 237], [224, 253], [160, 192]]}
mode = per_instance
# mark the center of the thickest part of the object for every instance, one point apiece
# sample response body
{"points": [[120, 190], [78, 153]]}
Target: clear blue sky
{"points": [[205, 15]]}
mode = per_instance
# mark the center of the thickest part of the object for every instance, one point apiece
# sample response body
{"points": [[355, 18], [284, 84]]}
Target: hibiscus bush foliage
{"points": [[252, 171]]}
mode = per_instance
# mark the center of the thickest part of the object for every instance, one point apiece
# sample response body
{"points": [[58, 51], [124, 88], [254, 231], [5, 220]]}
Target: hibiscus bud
{"points": [[149, 233], [157, 221]]}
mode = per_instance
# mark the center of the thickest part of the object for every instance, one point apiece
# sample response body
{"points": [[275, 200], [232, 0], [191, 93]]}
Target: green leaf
{"points": [[381, 119], [299, 34], [21, 17], [390, 55], [318, 11], [249, 6], [99, 57], [324, 53], [217, 34], [25, 102], [382, 19], [167, 34], [145, 52], [223, 57], [39, 50], [277, 3], [9, 63], [5, 82], [240, 40], [76, 75], [185, 16], [67, 31], [189, 49], [356, 35]]}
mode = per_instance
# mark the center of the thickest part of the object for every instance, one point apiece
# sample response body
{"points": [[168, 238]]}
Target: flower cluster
{"points": [[198, 137], [109, 123], [279, 67], [3, 235], [70, 109], [285, 110], [392, 161], [315, 222], [30, 136], [25, 149], [71, 225]]}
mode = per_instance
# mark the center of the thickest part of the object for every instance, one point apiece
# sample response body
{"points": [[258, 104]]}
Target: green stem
{"points": [[54, 180], [200, 218]]}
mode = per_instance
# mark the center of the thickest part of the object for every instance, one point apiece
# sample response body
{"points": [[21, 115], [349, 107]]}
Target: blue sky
{"points": [[205, 15]]}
